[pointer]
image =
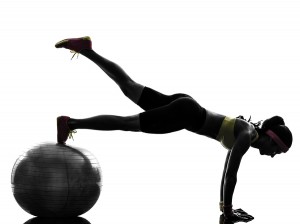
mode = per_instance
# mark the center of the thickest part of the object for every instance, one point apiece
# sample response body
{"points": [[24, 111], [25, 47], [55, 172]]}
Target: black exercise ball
{"points": [[56, 180]]}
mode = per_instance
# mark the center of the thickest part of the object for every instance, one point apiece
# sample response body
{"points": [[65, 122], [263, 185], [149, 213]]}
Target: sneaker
{"points": [[75, 44], [63, 130]]}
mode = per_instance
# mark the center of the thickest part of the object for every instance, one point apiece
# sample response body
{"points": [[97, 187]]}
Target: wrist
{"points": [[227, 210]]}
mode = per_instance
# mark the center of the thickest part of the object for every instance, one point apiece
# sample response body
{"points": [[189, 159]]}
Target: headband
{"points": [[279, 142]]}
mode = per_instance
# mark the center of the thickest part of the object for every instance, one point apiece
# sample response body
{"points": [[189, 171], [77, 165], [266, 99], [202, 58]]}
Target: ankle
{"points": [[71, 124], [86, 52]]}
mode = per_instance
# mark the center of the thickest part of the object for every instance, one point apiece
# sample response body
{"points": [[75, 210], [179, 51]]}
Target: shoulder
{"points": [[244, 132], [244, 128]]}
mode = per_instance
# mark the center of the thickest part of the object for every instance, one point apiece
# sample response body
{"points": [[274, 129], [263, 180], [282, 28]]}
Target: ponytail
{"points": [[256, 125]]}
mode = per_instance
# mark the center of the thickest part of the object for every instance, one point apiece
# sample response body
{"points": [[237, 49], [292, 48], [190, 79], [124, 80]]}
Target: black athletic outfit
{"points": [[169, 113]]}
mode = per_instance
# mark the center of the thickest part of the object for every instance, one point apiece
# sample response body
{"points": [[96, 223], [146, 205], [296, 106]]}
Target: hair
{"points": [[275, 124]]}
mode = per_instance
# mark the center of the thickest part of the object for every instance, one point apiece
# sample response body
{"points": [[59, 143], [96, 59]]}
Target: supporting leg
{"points": [[106, 123]]}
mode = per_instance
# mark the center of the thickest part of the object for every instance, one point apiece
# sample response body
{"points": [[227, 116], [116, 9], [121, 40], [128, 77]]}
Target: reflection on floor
{"points": [[75, 220]]}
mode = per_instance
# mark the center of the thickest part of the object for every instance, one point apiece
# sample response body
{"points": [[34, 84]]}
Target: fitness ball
{"points": [[56, 180]]}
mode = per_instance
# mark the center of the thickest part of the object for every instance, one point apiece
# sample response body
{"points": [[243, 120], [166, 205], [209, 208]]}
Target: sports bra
{"points": [[226, 133]]}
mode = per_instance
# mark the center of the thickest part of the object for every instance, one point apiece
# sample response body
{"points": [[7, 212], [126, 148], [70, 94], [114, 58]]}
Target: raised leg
{"points": [[130, 88], [166, 113]]}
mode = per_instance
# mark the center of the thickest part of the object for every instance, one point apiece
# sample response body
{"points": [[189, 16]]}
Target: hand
{"points": [[238, 215]]}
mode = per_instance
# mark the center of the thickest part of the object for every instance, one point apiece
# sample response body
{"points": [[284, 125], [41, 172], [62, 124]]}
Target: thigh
{"points": [[151, 99], [182, 113]]}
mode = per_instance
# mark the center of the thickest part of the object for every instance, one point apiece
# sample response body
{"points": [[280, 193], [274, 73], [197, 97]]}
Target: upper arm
{"points": [[240, 147]]}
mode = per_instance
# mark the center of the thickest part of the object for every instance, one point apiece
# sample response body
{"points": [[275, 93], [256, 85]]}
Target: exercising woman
{"points": [[169, 113]]}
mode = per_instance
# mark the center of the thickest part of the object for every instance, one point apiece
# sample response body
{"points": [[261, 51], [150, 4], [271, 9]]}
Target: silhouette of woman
{"points": [[169, 113]]}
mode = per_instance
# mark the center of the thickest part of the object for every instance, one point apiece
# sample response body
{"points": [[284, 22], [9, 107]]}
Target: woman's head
{"points": [[277, 137]]}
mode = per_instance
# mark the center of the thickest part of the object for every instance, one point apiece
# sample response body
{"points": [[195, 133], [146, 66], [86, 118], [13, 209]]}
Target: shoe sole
{"points": [[63, 42], [57, 124]]}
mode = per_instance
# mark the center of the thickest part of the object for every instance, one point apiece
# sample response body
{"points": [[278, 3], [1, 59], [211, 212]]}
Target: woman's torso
{"points": [[214, 122]]}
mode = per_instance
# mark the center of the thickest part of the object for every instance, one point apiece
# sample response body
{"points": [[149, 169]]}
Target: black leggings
{"points": [[165, 114]]}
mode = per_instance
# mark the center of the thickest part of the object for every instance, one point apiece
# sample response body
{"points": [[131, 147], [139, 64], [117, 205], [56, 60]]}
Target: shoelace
{"points": [[71, 132], [74, 54]]}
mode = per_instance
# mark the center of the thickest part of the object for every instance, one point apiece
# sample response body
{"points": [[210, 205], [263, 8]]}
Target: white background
{"points": [[234, 57]]}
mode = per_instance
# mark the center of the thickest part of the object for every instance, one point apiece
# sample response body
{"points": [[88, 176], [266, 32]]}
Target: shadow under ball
{"points": [[56, 180], [74, 220]]}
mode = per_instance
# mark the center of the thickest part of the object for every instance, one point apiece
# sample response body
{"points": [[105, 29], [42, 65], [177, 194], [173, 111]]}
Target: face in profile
{"points": [[269, 147]]}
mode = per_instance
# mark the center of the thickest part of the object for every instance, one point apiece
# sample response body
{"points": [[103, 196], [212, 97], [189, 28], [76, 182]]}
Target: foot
{"points": [[75, 44], [63, 130]]}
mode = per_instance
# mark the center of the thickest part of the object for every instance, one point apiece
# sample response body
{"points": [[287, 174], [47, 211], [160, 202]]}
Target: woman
{"points": [[170, 113]]}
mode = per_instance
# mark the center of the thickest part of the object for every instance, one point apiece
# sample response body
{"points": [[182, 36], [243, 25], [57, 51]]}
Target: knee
{"points": [[131, 123], [132, 90], [125, 88]]}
